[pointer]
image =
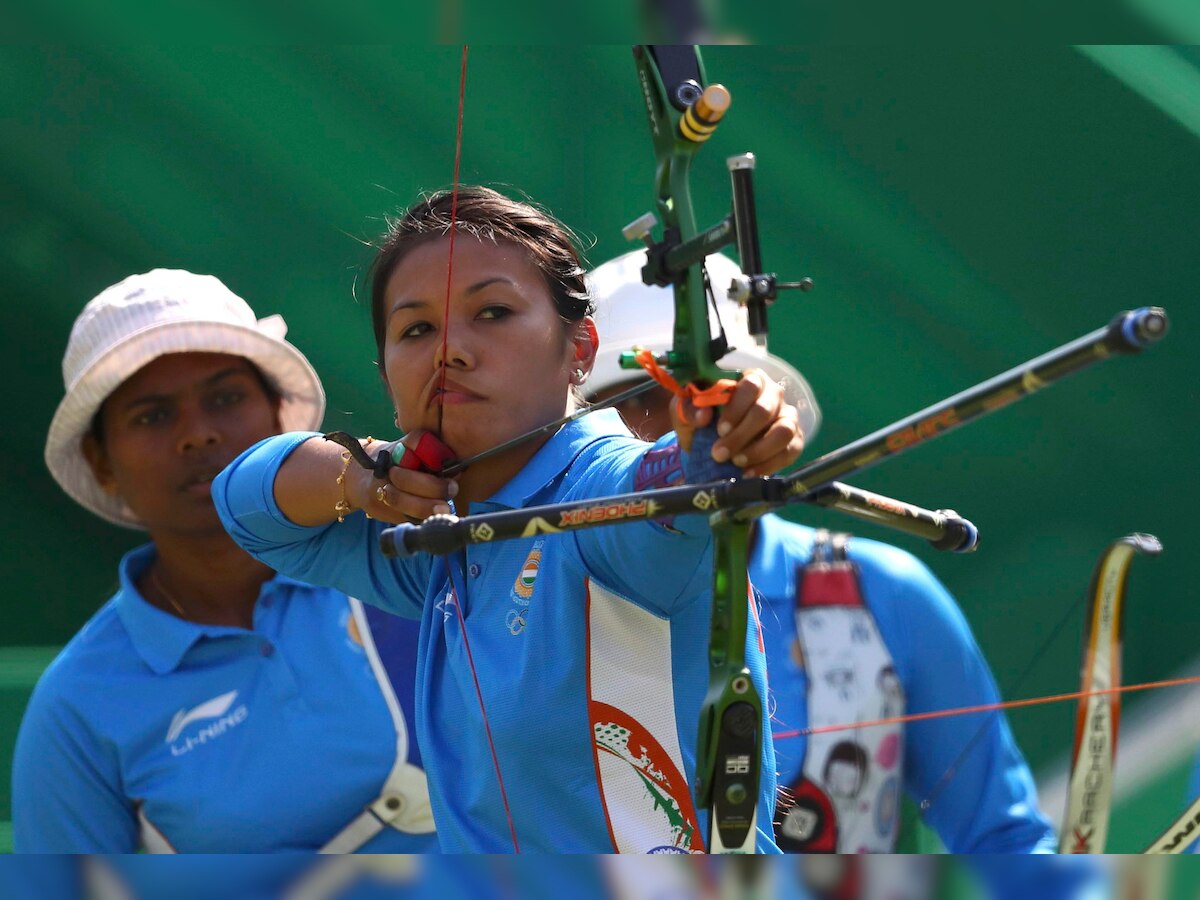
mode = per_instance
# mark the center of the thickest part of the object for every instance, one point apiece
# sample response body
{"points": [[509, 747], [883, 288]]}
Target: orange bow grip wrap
{"points": [[701, 467]]}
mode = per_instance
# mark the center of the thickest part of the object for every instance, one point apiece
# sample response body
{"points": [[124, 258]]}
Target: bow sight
{"points": [[683, 114]]}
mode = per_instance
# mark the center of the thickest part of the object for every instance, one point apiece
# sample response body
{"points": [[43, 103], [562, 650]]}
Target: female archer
{"points": [[560, 678]]}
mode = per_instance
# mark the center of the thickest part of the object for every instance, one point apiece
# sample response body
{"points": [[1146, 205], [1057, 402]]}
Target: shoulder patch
{"points": [[659, 469]]}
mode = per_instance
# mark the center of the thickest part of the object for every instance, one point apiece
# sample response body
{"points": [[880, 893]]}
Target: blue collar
{"points": [[557, 454], [162, 639]]}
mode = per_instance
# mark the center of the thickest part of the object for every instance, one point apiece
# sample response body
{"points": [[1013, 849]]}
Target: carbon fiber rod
{"points": [[1129, 332], [944, 529]]}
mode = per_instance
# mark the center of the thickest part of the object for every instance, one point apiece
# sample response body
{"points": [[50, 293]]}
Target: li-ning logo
{"points": [[217, 708]]}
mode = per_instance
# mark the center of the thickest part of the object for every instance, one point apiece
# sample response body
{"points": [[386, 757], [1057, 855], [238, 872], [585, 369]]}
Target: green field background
{"points": [[961, 210]]}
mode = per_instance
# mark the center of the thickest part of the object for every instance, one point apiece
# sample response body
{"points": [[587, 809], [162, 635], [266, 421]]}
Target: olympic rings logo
{"points": [[515, 620]]}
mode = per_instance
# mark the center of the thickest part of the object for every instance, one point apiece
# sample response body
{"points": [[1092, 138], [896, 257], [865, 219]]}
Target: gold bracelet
{"points": [[343, 507], [370, 441]]}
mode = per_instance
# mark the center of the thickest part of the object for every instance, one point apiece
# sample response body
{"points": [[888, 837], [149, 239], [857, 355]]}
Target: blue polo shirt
{"points": [[212, 739], [583, 661], [294, 876], [280, 876]]}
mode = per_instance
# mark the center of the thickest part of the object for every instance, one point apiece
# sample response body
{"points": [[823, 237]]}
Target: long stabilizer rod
{"points": [[1129, 332]]}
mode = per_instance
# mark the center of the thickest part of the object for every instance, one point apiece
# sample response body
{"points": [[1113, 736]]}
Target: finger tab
{"points": [[425, 452]]}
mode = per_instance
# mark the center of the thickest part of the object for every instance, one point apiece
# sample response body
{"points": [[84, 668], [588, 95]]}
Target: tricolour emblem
{"points": [[523, 586]]}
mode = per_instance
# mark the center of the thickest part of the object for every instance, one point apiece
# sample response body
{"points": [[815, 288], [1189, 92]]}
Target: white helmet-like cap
{"points": [[632, 313]]}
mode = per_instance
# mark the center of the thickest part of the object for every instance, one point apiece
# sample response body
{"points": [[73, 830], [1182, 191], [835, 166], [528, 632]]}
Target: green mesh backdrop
{"points": [[960, 211]]}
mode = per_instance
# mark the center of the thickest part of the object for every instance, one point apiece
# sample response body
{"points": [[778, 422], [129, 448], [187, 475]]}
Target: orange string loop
{"points": [[717, 394]]}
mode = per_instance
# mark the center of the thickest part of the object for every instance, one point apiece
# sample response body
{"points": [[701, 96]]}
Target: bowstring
{"points": [[947, 776], [462, 623], [458, 142], [989, 707]]}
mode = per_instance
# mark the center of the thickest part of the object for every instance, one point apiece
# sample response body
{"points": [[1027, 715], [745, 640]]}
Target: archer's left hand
{"points": [[757, 430]]}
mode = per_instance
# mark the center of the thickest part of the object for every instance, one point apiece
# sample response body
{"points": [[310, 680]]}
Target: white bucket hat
{"points": [[632, 313], [147, 316]]}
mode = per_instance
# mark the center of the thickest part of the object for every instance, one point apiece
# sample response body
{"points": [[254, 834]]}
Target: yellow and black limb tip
{"points": [[700, 119]]}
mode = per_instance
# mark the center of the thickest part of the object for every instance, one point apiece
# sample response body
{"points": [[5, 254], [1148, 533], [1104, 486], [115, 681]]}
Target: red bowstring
{"points": [[458, 142], [487, 727], [986, 707], [462, 624]]}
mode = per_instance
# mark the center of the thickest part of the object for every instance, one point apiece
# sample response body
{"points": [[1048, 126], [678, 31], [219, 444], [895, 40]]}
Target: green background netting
{"points": [[961, 210]]}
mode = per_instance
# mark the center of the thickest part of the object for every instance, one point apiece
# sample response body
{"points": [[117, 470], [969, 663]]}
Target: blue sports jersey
{"points": [[583, 662], [297, 876], [149, 730], [304, 876]]}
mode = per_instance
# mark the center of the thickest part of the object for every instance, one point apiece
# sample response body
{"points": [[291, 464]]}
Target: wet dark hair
{"points": [[487, 215], [274, 396]]}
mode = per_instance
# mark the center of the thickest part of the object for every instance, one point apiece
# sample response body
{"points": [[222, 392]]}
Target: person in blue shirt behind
{"points": [[864, 631], [561, 676], [211, 705]]}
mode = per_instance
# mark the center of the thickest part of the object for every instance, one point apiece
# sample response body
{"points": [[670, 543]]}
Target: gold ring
{"points": [[381, 495]]}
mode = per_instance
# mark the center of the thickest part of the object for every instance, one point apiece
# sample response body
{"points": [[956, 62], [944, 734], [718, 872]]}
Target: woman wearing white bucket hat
{"points": [[843, 650], [211, 705]]}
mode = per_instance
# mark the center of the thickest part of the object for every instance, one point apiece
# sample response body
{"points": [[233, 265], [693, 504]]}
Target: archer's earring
{"points": [[396, 419], [580, 376]]}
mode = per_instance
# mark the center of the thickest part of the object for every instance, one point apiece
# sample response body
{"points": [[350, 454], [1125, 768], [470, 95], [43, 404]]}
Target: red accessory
{"points": [[425, 453]]}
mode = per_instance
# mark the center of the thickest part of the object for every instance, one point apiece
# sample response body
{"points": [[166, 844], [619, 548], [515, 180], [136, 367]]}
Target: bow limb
{"points": [[1181, 833], [1089, 795], [1093, 757]]}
